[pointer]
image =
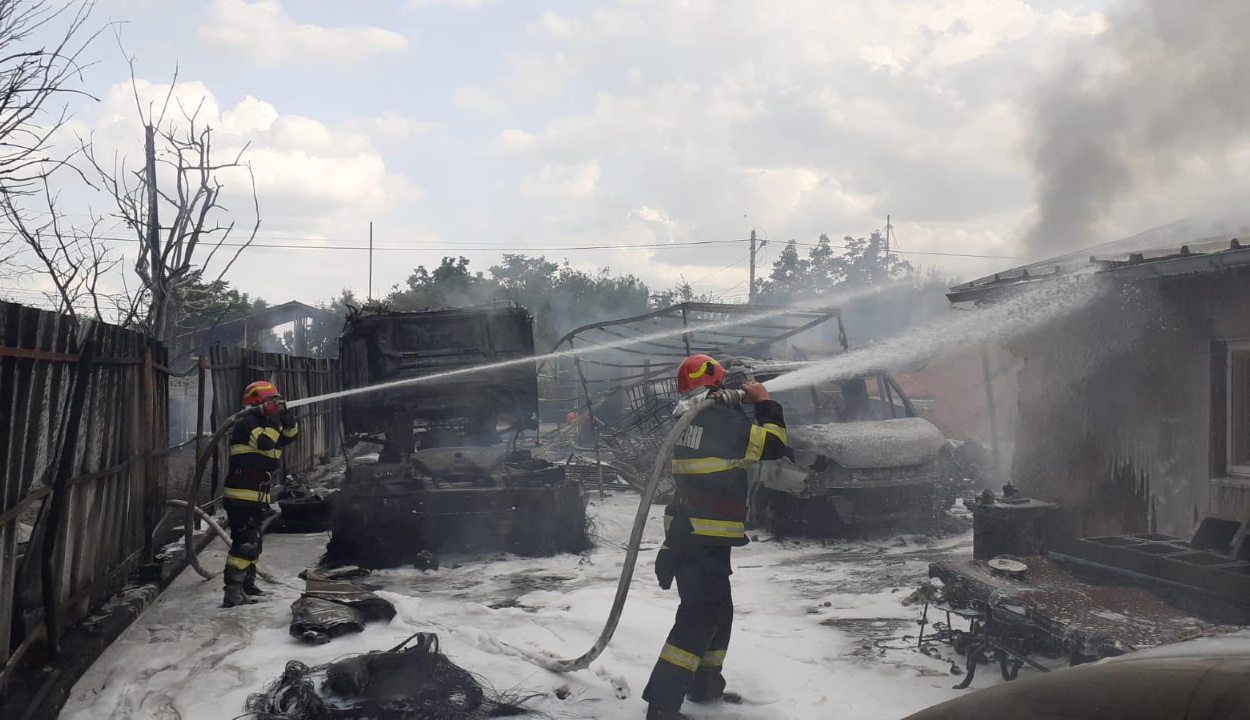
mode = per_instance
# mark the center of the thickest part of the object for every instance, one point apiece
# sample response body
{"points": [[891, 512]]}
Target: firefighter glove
{"points": [[287, 417], [665, 567], [821, 464]]}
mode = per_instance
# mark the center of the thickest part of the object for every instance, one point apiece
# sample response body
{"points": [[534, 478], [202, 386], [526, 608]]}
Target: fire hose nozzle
{"points": [[730, 397]]}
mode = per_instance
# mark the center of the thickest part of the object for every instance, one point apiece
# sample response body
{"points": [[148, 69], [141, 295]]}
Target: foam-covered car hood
{"points": [[872, 443]]}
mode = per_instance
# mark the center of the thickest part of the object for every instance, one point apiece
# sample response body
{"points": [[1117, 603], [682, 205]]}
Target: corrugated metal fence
{"points": [[82, 465]]}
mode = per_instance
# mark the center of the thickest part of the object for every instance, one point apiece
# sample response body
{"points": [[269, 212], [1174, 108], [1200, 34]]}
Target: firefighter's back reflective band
{"points": [[241, 494], [702, 466], [718, 528]]}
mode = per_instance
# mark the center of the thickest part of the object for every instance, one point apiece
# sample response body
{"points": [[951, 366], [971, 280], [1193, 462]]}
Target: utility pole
{"points": [[370, 295], [751, 289], [887, 238]]}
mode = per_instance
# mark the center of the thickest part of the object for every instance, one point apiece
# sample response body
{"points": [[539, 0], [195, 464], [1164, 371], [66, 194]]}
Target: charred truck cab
{"points": [[884, 460], [450, 475]]}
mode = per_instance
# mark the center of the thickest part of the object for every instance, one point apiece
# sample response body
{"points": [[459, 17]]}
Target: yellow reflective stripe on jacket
{"points": [[703, 466], [759, 436], [241, 494], [755, 446], [290, 432], [718, 528], [713, 658], [275, 453], [680, 658], [238, 563], [271, 433], [775, 429]]}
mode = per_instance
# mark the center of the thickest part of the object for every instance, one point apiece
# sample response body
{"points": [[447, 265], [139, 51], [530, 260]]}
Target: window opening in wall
{"points": [[1239, 408]]}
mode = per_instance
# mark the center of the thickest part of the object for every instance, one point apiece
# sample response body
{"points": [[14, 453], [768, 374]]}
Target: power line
{"points": [[717, 272], [923, 252], [456, 247]]}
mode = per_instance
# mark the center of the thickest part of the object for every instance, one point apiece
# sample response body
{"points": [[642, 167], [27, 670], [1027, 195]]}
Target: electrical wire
{"points": [[452, 247]]}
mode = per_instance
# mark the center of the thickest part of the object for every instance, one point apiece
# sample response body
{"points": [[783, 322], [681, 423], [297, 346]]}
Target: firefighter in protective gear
{"points": [[256, 443], [704, 521]]}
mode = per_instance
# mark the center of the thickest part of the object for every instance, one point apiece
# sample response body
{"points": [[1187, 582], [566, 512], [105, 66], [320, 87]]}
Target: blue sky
{"points": [[477, 125]]}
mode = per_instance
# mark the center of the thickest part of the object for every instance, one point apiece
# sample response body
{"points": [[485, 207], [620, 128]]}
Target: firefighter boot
{"points": [[249, 583], [659, 712], [235, 596], [727, 697]]}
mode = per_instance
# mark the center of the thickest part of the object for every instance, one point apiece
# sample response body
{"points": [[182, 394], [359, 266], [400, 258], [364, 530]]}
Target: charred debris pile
{"points": [[411, 680]]}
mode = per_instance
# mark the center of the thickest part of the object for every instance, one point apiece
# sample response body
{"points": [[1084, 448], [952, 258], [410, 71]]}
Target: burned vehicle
{"points": [[884, 460], [451, 475]]}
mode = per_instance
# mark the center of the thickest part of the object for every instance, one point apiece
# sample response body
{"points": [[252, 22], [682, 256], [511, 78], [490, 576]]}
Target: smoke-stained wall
{"points": [[1116, 406]]}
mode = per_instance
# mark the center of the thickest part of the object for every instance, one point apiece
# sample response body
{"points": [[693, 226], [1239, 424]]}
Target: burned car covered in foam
{"points": [[884, 459]]}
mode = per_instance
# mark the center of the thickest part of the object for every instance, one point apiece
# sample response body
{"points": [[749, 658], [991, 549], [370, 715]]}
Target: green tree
{"points": [[865, 262]]}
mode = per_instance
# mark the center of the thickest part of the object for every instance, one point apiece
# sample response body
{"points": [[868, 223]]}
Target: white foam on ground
{"points": [[188, 658]]}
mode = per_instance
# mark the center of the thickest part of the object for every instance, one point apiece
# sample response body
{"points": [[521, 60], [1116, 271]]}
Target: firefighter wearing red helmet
{"points": [[704, 521], [256, 443]]}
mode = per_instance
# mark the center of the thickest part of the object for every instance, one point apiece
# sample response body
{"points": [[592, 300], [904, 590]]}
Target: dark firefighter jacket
{"points": [[256, 443], [709, 465]]}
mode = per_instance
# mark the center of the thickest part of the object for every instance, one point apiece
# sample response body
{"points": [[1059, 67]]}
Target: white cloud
{"points": [[458, 4], [568, 181], [478, 100], [391, 126], [839, 114], [266, 34], [531, 78], [512, 141], [304, 169]]}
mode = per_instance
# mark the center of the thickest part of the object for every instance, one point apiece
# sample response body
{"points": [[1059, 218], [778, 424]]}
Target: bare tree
{"points": [[30, 76], [179, 180], [72, 256]]}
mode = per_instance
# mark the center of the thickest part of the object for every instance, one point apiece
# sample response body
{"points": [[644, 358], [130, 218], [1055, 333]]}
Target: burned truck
{"points": [[884, 460], [459, 393]]}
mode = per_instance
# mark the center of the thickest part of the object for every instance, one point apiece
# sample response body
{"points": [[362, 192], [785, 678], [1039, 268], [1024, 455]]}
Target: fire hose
{"points": [[635, 540], [631, 555], [193, 509]]}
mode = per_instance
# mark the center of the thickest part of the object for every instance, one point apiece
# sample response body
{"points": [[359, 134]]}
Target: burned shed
{"points": [[1134, 410]]}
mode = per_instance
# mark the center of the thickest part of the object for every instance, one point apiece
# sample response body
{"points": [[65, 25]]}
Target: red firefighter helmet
{"points": [[258, 393], [699, 371]]}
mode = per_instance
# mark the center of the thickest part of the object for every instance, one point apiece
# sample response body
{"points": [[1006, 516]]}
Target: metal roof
{"points": [[1182, 248], [717, 329]]}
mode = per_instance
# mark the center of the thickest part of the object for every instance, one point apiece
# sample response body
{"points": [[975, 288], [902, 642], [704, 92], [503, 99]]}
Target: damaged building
{"points": [[1134, 411]]}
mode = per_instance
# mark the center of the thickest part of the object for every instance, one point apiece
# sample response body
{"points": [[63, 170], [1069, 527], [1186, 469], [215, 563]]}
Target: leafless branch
{"points": [[73, 258], [181, 205]]}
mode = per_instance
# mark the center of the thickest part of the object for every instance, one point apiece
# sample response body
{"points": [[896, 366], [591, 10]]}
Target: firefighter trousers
{"points": [[691, 660], [246, 538]]}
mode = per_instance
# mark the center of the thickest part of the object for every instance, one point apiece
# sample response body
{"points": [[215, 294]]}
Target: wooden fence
{"points": [[84, 467], [83, 425], [320, 425]]}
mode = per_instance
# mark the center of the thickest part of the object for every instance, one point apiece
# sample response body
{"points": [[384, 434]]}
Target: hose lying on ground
{"points": [[212, 523], [631, 555]]}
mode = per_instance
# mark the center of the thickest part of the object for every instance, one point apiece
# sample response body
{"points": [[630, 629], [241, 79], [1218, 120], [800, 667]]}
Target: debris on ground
{"points": [[305, 509], [411, 680], [330, 609], [1019, 617], [426, 560]]}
